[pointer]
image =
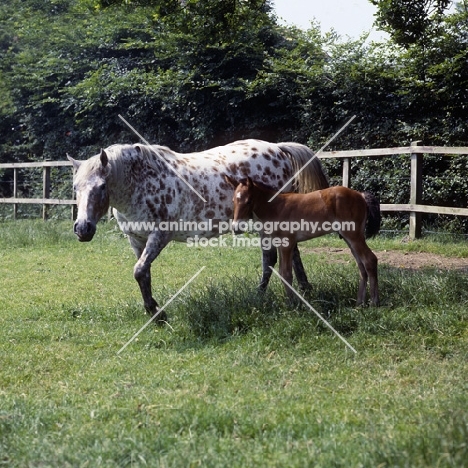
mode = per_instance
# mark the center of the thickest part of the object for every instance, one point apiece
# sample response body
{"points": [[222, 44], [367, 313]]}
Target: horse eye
{"points": [[103, 187]]}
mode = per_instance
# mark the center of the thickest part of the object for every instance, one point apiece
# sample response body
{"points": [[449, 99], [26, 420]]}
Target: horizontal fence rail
{"points": [[416, 151], [45, 200], [414, 207]]}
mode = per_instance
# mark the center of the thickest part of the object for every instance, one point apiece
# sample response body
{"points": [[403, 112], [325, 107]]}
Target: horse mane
{"points": [[261, 186], [308, 170], [153, 152], [120, 155]]}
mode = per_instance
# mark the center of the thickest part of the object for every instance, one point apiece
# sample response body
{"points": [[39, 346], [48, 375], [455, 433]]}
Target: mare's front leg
{"points": [[142, 270]]}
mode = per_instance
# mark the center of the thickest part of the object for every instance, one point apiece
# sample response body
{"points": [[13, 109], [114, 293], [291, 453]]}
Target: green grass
{"points": [[236, 379]]}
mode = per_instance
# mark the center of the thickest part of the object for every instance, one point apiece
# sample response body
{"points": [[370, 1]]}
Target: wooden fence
{"points": [[45, 201], [416, 151], [414, 207]]}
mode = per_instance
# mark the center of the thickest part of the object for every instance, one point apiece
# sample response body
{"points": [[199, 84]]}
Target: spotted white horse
{"points": [[141, 184]]}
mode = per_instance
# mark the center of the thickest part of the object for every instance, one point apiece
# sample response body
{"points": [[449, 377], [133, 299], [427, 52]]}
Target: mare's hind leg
{"points": [[269, 259], [146, 253]]}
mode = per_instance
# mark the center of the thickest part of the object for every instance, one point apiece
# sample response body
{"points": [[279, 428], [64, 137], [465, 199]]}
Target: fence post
{"points": [[45, 189], [73, 206], [346, 171], [415, 192], [15, 191]]}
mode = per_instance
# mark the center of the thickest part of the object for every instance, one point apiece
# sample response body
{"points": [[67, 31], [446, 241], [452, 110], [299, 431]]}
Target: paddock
{"points": [[235, 376]]}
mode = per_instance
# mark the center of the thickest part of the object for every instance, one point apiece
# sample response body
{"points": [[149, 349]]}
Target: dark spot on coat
{"points": [[233, 168], [152, 208]]}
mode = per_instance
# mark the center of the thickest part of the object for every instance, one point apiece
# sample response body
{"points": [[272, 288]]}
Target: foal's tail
{"points": [[312, 177], [373, 215]]}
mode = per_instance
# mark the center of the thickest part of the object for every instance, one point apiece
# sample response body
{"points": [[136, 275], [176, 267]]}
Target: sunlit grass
{"points": [[236, 378]]}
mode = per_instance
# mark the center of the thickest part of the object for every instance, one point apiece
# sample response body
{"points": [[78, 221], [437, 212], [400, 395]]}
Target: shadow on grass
{"points": [[428, 302], [425, 308]]}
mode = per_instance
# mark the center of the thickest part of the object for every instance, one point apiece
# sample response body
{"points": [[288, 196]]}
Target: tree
{"points": [[410, 21]]}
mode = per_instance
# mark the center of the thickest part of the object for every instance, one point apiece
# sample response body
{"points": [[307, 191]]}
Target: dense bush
{"points": [[199, 73]]}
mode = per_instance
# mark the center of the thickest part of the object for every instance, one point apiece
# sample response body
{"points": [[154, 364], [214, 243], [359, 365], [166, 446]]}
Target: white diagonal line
{"points": [[312, 158], [161, 309], [176, 172], [313, 310]]}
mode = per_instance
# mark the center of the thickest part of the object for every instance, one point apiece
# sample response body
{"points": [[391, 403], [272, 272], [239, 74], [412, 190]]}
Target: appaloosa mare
{"points": [[291, 218], [141, 184]]}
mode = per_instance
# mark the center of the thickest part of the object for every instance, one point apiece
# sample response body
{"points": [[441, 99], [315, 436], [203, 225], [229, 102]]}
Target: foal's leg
{"points": [[371, 263], [269, 259], [367, 263], [142, 270], [363, 277], [285, 269], [299, 270]]}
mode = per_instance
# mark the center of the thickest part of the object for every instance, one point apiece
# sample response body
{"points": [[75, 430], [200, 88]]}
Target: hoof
{"points": [[305, 287], [161, 318]]}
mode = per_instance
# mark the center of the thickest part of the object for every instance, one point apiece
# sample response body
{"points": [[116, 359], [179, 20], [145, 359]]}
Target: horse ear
{"points": [[76, 164], [104, 158], [249, 182], [232, 182]]}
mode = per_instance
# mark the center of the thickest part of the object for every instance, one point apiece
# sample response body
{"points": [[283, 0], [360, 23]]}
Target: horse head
{"points": [[242, 199], [92, 195]]}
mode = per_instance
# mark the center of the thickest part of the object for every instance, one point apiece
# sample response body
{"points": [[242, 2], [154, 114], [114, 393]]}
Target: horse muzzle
{"points": [[236, 229], [84, 230]]}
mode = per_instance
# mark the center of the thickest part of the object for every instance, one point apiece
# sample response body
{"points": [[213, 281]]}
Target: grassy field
{"points": [[235, 379]]}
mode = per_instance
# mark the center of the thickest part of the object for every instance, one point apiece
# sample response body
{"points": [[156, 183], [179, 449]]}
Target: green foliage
{"points": [[410, 21], [199, 73]]}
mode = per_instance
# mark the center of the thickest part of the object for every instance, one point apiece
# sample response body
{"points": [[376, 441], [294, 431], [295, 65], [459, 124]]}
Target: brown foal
{"points": [[290, 218]]}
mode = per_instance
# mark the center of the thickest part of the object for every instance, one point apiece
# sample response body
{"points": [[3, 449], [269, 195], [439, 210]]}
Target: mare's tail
{"points": [[312, 177], [373, 215]]}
